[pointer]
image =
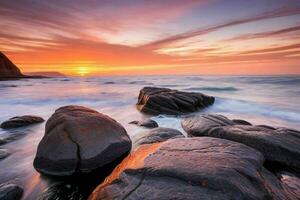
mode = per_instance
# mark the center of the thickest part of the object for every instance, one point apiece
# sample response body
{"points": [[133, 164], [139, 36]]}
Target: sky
{"points": [[151, 37]]}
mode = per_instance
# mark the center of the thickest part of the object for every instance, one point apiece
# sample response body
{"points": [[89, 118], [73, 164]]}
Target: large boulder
{"points": [[80, 140], [192, 169], [279, 145], [8, 69], [159, 134], [154, 100], [20, 121], [10, 191]]}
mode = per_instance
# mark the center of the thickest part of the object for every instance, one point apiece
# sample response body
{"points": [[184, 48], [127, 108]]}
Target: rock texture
{"points": [[159, 134], [20, 121], [279, 145], [153, 100], [8, 69], [193, 169], [80, 140], [10, 191], [145, 123]]}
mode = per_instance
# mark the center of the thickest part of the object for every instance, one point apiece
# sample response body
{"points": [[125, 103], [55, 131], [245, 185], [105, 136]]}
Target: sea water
{"points": [[269, 100]]}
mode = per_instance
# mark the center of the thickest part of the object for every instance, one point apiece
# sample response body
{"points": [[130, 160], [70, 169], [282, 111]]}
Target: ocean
{"points": [[269, 100]]}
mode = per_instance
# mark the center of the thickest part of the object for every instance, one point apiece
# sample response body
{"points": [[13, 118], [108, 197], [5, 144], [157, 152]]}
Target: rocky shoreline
{"points": [[219, 159]]}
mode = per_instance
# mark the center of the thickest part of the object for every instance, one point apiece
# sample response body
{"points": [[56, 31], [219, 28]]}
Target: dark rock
{"points": [[80, 140], [241, 122], [159, 134], [166, 101], [10, 191], [8, 69], [109, 82], [62, 191], [145, 123], [280, 145], [192, 168], [3, 153], [20, 121]]}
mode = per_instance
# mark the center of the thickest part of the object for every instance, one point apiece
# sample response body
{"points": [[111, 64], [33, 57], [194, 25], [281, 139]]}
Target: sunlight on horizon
{"points": [[82, 71]]}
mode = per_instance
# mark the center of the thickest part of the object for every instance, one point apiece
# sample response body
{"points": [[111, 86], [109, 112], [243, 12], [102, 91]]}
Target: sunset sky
{"points": [[130, 37]]}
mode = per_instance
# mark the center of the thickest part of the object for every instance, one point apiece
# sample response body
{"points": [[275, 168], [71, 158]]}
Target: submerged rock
{"points": [[62, 191], [10, 191], [11, 136], [166, 101], [280, 145], [20, 121], [3, 153], [145, 123], [159, 134], [80, 140], [192, 168]]}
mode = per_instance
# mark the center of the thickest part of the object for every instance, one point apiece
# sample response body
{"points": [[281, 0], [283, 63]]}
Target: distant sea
{"points": [[270, 100]]}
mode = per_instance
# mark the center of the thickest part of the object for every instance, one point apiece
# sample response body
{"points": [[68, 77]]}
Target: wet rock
{"points": [[192, 168], [145, 123], [279, 145], [3, 153], [80, 140], [166, 101], [291, 182], [10, 191], [20, 121], [159, 134], [62, 191], [241, 122]]}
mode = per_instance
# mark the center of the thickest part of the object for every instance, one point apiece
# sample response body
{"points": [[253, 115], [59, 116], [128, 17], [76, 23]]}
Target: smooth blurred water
{"points": [[261, 100]]}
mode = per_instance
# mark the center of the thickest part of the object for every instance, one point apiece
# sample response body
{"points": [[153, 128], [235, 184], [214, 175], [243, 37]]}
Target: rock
{"points": [[20, 121], [8, 69], [291, 182], [148, 123], [10, 191], [192, 168], [279, 145], [241, 122], [153, 100], [159, 134], [79, 140], [62, 191], [3, 153]]}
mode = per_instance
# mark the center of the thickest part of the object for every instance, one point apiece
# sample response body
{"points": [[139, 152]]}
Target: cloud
{"points": [[285, 11], [274, 49], [108, 21], [266, 34]]}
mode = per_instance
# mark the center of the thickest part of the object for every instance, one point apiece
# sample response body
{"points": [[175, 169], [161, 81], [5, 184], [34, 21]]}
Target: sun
{"points": [[82, 71]]}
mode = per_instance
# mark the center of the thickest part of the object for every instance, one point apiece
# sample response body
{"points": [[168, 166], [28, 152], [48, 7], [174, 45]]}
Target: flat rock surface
{"points": [[80, 140], [20, 121], [159, 134], [192, 169], [10, 191], [153, 100], [280, 145], [148, 123]]}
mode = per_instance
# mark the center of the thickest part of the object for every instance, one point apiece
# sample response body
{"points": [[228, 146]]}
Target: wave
{"points": [[248, 107], [216, 89], [287, 80]]}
